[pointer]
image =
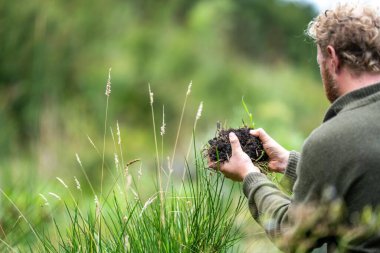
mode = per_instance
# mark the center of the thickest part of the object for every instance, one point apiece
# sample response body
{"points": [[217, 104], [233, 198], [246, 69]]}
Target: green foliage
{"points": [[252, 124], [198, 216], [272, 31], [53, 55]]}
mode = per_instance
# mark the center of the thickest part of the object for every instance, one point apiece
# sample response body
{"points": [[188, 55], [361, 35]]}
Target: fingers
{"points": [[222, 168], [216, 166], [272, 165], [235, 144], [261, 134], [211, 164]]}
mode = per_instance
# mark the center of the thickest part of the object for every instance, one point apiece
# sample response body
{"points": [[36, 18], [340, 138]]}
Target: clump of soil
{"points": [[219, 149]]}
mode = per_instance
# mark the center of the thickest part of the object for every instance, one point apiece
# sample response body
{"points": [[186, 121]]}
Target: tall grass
{"points": [[197, 215], [202, 219]]}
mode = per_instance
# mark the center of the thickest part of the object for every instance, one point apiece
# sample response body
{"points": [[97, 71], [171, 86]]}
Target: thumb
{"points": [[235, 144], [261, 134]]}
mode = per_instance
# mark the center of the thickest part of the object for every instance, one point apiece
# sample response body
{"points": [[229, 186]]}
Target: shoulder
{"points": [[346, 128], [350, 137], [328, 136], [330, 145]]}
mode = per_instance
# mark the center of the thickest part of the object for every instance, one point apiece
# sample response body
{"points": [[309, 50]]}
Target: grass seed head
{"points": [[77, 183], [96, 200], [92, 143], [116, 160], [129, 182], [62, 182], [147, 203], [44, 198], [135, 194], [139, 173], [97, 206], [55, 195], [78, 159], [150, 95], [189, 88], [108, 86], [163, 126], [118, 133], [199, 112]]}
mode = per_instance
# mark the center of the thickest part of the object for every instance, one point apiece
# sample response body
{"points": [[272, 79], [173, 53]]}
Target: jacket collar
{"points": [[353, 99]]}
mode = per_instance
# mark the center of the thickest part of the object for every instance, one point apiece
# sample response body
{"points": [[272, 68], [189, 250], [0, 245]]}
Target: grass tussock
{"points": [[193, 212], [201, 219]]}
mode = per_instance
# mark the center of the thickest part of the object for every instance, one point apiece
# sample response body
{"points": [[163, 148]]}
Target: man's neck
{"points": [[349, 82]]}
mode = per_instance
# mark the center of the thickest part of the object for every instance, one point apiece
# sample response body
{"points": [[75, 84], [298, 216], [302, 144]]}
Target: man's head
{"points": [[348, 38]]}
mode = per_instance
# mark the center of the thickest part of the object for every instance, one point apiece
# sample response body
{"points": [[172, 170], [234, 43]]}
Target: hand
{"points": [[239, 164], [278, 156]]}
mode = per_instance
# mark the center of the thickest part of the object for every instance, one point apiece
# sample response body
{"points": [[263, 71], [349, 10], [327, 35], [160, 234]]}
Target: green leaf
{"points": [[248, 112]]}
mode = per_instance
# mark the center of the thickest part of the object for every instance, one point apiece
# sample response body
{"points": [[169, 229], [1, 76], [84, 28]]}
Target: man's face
{"points": [[329, 83]]}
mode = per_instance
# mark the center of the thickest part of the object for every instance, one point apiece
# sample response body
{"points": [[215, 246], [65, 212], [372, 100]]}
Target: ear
{"points": [[335, 63]]}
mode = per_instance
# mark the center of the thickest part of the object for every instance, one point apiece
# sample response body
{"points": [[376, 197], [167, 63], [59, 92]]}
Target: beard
{"points": [[329, 83]]}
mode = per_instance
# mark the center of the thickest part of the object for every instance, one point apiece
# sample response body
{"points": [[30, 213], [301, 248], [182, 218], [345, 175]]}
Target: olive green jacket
{"points": [[339, 163]]}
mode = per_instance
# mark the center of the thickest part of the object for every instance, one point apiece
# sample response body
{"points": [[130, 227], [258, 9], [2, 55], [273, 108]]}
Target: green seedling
{"points": [[252, 123]]}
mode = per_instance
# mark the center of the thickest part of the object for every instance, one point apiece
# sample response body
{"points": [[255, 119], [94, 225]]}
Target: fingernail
{"points": [[253, 132], [232, 136]]}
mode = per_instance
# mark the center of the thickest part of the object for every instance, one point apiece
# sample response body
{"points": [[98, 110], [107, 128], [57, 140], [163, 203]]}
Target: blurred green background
{"points": [[54, 61]]}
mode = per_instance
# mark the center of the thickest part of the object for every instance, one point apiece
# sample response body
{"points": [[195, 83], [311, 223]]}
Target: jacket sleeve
{"points": [[268, 204], [290, 175]]}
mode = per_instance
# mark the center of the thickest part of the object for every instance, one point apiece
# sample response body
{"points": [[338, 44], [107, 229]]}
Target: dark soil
{"points": [[219, 149]]}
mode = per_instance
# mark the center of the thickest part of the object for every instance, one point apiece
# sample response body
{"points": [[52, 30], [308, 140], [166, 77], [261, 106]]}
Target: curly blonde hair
{"points": [[354, 32]]}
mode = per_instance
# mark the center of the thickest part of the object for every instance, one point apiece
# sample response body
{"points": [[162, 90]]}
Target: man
{"points": [[340, 160]]}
